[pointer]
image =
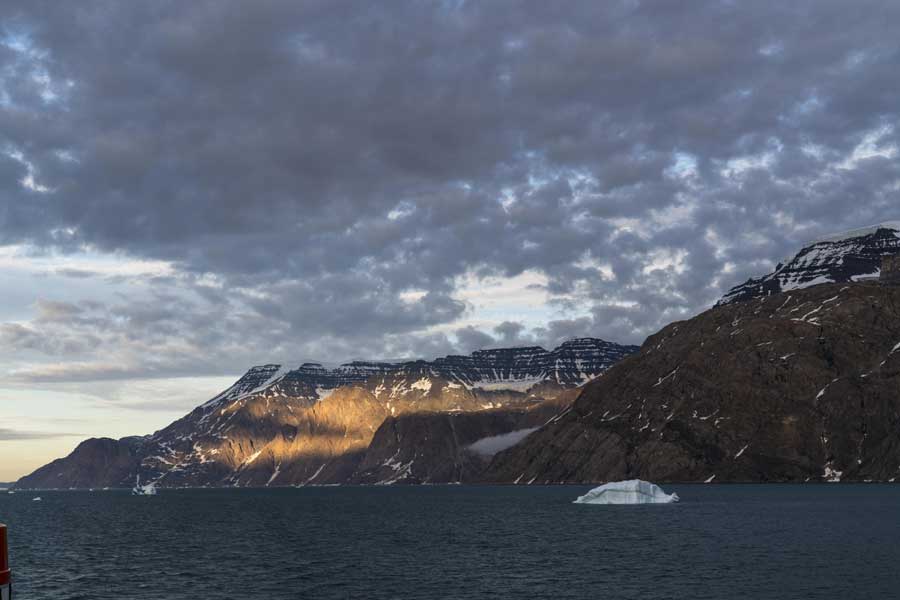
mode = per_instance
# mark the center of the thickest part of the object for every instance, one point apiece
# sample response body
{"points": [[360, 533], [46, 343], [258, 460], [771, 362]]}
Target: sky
{"points": [[191, 188]]}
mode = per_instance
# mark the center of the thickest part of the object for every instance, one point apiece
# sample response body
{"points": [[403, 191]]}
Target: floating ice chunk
{"points": [[143, 490], [634, 491], [36, 499]]}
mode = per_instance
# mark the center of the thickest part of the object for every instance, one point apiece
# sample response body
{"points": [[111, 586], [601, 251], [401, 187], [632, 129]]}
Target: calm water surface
{"points": [[737, 541]]}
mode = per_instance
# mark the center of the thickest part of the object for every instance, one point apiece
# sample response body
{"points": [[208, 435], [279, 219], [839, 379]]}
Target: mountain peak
{"points": [[254, 379], [888, 226], [837, 258]]}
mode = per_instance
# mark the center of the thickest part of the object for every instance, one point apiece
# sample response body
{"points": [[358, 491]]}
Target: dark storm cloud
{"points": [[320, 159], [471, 339]]}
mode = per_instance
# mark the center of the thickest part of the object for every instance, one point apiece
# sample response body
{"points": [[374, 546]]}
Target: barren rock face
{"points": [[437, 447], [799, 386]]}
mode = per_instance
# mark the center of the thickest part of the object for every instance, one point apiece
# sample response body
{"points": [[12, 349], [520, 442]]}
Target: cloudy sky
{"points": [[190, 188]]}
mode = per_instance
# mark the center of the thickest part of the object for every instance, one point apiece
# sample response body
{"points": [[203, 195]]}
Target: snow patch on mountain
{"points": [[513, 385], [490, 446], [423, 384]]}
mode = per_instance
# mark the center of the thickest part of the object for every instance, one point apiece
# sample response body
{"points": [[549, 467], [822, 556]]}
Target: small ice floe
{"points": [[36, 499], [634, 491], [143, 490]]}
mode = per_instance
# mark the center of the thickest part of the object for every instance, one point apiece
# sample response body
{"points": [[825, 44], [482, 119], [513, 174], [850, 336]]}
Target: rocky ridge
{"points": [[840, 258]]}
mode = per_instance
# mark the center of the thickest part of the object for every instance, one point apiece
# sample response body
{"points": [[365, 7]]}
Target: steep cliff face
{"points": [[314, 425], [97, 462], [840, 258], [445, 447], [572, 363], [799, 386]]}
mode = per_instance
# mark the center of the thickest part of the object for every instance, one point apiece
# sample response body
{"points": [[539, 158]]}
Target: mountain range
{"points": [[361, 422], [792, 376]]}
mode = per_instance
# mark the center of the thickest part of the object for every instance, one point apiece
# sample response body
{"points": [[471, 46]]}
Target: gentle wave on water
{"points": [[735, 541]]}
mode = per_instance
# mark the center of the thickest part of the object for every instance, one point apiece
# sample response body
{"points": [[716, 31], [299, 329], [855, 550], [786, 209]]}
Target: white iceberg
{"points": [[143, 490], [633, 491]]}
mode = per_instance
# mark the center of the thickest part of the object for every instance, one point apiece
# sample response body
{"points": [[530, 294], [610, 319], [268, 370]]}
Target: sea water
{"points": [[720, 541]]}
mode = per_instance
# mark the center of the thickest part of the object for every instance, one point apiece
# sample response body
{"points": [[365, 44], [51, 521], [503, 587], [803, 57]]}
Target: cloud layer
{"points": [[334, 179], [7, 435]]}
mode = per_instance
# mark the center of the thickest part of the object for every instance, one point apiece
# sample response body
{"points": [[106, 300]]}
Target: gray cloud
{"points": [[471, 339], [7, 435], [318, 160]]}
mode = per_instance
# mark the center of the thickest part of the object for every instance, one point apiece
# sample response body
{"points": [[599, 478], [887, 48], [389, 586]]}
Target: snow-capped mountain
{"points": [[315, 425], [838, 258], [572, 363], [310, 381]]}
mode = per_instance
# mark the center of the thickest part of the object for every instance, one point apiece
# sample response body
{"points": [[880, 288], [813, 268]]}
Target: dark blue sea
{"points": [[720, 541]]}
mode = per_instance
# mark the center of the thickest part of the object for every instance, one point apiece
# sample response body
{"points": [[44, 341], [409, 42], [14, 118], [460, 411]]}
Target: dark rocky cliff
{"points": [[799, 386], [97, 462], [441, 447]]}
